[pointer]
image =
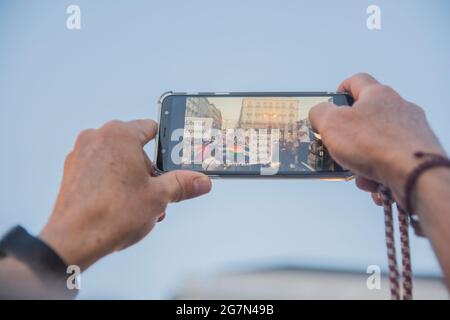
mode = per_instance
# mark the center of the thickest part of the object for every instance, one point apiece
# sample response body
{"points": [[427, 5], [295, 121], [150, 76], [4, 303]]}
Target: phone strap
{"points": [[405, 219]]}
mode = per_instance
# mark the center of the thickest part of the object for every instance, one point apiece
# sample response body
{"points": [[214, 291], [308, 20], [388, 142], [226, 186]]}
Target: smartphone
{"points": [[245, 135]]}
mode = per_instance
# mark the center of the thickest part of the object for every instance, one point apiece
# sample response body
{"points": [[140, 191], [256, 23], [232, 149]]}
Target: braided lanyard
{"points": [[405, 218]]}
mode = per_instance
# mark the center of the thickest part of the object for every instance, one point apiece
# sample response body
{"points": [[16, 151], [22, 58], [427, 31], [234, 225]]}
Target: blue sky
{"points": [[55, 82]]}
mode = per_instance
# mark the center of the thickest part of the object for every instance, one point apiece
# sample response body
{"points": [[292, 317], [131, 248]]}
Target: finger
{"points": [[145, 129], [366, 184], [319, 113], [377, 198], [148, 163], [356, 84], [182, 184]]}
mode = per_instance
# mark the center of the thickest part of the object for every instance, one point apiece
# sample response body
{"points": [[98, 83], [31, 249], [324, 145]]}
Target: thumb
{"points": [[319, 114], [183, 184]]}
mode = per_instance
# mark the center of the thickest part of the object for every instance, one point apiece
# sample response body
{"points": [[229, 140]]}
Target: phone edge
{"points": [[343, 176]]}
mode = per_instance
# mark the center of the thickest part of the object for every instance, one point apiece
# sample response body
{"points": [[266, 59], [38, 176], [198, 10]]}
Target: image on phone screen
{"points": [[246, 135]]}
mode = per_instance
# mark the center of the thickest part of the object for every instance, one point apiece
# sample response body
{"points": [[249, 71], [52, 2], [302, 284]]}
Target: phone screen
{"points": [[244, 135]]}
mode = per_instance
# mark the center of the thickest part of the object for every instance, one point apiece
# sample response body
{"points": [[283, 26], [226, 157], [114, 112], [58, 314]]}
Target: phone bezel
{"points": [[161, 138]]}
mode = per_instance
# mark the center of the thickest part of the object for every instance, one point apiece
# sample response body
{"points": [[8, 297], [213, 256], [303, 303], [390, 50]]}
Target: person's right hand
{"points": [[376, 138], [109, 198]]}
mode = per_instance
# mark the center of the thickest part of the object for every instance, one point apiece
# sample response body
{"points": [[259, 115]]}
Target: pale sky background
{"points": [[55, 83]]}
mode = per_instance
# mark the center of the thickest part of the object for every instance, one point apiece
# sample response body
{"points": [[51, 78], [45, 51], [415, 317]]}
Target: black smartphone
{"points": [[245, 135]]}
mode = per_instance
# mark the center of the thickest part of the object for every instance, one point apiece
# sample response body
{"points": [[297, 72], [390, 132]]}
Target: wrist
{"points": [[70, 242], [430, 179], [396, 167], [40, 259]]}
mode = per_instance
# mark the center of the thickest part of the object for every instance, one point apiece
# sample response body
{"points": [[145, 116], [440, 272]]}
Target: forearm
{"points": [[432, 206], [30, 269], [17, 281]]}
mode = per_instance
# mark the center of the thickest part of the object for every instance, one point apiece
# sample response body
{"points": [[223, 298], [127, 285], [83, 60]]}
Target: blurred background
{"points": [[246, 238]]}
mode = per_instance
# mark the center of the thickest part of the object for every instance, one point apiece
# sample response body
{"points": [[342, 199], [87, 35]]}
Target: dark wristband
{"points": [[40, 258]]}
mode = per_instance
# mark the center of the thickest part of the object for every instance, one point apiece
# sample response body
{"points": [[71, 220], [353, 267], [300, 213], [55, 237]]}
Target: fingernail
{"points": [[202, 185], [161, 217]]}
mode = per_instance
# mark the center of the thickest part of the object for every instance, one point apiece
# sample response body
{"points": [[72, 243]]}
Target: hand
{"points": [[377, 137], [109, 198]]}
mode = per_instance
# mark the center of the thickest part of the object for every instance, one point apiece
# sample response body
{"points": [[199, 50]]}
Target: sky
{"points": [[55, 82]]}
